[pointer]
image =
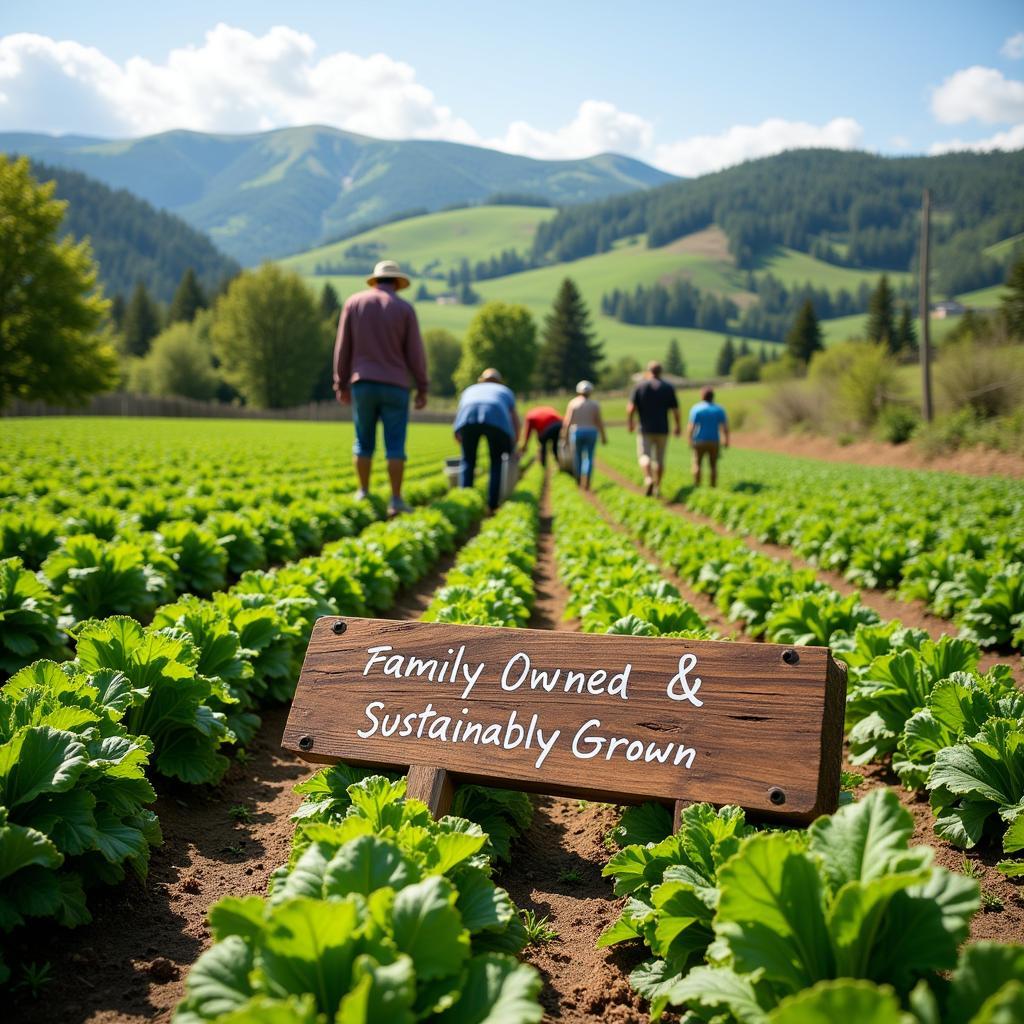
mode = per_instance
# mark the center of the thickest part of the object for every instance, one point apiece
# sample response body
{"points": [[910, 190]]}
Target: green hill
{"points": [[435, 243], [131, 240], [271, 194]]}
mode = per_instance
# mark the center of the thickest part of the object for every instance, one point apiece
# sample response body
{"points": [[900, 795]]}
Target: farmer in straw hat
{"points": [[377, 352]]}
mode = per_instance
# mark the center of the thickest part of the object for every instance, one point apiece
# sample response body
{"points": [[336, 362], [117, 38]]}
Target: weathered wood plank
{"points": [[641, 718]]}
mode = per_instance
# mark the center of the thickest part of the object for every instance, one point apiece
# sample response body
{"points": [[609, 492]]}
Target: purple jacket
{"points": [[379, 340]]}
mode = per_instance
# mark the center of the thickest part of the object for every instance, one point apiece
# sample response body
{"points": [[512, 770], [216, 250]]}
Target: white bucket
{"points": [[453, 470]]}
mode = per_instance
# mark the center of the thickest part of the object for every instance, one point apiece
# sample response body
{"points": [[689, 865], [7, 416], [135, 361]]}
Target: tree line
{"points": [[854, 209]]}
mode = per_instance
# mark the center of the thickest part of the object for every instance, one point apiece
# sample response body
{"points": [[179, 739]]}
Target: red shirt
{"points": [[379, 340], [540, 419]]}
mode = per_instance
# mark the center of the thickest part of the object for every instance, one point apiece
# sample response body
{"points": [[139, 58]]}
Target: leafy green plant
{"points": [[170, 699], [28, 618], [539, 930]]}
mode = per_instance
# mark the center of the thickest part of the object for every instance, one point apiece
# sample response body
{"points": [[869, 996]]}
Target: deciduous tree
{"points": [[180, 362], [502, 335], [443, 354], [51, 310], [268, 335]]}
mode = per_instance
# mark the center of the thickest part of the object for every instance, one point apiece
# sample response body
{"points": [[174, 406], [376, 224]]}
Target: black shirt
{"points": [[653, 399]]}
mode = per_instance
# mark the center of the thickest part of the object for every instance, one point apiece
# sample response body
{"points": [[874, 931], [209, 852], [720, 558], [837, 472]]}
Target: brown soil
{"points": [[970, 461], [130, 963], [556, 873], [550, 594]]}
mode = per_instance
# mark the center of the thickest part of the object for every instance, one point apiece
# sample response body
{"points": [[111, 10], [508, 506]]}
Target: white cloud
{"points": [[1012, 138], [1014, 47], [978, 93], [702, 153], [598, 127], [234, 81]]}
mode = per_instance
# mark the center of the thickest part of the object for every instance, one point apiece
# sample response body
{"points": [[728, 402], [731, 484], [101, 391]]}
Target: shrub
{"points": [[897, 424], [987, 379], [792, 403], [746, 370], [860, 377]]}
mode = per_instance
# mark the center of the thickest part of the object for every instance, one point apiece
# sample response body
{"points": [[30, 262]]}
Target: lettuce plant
{"points": [[28, 618], [385, 915], [170, 699]]}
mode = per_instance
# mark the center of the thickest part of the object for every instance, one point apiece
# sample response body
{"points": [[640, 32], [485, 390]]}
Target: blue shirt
{"points": [[709, 417], [486, 403]]}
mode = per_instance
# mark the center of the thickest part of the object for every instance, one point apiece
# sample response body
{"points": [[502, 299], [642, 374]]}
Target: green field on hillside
{"points": [[795, 268], [476, 233]]}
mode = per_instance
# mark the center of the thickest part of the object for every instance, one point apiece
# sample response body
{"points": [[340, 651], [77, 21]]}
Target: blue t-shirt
{"points": [[709, 417], [486, 403]]}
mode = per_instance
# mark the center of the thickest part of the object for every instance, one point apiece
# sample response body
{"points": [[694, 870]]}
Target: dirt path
{"points": [[969, 461], [129, 964], [550, 594]]}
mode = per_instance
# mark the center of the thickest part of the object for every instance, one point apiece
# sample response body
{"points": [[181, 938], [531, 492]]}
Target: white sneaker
{"points": [[362, 495]]}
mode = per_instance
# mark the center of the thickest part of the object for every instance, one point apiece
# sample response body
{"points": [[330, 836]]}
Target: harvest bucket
{"points": [[453, 471]]}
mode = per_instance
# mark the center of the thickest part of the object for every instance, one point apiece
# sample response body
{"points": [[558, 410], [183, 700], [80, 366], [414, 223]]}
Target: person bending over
{"points": [[486, 410], [546, 423]]}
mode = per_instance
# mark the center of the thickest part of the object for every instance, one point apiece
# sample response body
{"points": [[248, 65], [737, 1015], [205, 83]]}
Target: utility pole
{"points": [[923, 309]]}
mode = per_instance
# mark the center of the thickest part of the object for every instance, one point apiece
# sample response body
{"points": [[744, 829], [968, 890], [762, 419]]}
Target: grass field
{"points": [[703, 258], [449, 237]]}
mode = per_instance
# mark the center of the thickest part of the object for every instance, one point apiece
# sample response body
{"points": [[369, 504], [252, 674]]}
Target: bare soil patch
{"points": [[130, 963], [711, 242], [550, 594], [968, 461], [556, 873]]}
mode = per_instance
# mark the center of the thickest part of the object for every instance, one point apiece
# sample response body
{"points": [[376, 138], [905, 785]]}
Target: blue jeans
{"points": [[372, 401], [585, 440]]}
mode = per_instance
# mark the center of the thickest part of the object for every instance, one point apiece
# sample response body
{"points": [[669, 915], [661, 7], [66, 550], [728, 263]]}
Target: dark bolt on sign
{"points": [[613, 718]]}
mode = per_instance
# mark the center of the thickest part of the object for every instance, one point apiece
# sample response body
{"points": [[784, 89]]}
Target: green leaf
{"points": [[366, 864], [482, 904], [39, 760], [428, 927], [497, 990], [309, 946], [642, 824], [219, 980], [771, 913], [843, 1000], [984, 968], [720, 988], [22, 847], [380, 993]]}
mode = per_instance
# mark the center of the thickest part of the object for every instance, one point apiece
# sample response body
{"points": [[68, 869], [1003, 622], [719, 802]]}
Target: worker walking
{"points": [[706, 417], [377, 351], [582, 424], [546, 423], [486, 410], [651, 401]]}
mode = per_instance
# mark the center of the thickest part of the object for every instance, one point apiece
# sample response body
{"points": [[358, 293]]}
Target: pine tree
{"points": [[744, 349], [1012, 305], [188, 299], [905, 340], [726, 357], [141, 322], [674, 359], [330, 304], [570, 352], [117, 313], [762, 356], [804, 337], [881, 315]]}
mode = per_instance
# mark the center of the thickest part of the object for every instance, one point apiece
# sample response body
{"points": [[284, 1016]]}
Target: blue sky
{"points": [[688, 85]]}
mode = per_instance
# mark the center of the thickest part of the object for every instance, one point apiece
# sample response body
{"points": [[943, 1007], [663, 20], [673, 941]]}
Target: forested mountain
{"points": [[851, 209], [280, 192], [131, 240]]}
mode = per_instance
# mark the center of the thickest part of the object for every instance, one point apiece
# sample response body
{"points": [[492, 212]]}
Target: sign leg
{"points": [[433, 786], [677, 814]]}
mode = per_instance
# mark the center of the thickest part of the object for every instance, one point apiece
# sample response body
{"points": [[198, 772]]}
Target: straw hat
{"points": [[388, 270], [584, 387]]}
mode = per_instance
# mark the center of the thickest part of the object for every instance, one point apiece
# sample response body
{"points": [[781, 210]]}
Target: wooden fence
{"points": [[121, 404]]}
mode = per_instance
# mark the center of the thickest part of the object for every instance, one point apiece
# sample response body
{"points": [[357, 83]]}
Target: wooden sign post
{"points": [[621, 719]]}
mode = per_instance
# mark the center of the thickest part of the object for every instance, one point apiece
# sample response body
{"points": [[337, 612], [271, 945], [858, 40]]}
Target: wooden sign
{"points": [[614, 718]]}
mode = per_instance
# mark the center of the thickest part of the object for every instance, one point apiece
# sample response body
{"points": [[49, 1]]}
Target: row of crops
{"points": [[382, 913], [745, 926], [954, 543]]}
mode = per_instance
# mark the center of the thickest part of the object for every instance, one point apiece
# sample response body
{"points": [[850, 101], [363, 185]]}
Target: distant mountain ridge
{"points": [[271, 194], [131, 240]]}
